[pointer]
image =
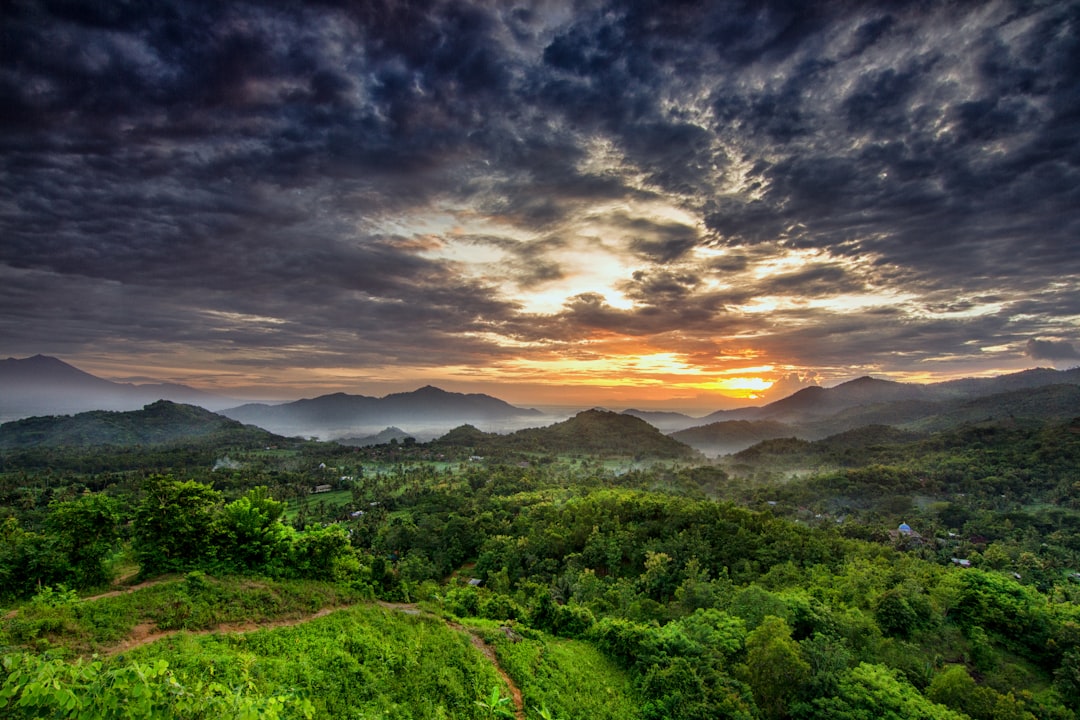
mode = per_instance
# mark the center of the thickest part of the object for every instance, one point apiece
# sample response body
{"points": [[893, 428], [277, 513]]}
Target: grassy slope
{"points": [[271, 638], [361, 662], [569, 677]]}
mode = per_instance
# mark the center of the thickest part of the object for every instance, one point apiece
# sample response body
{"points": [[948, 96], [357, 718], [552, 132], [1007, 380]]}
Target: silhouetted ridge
{"points": [[161, 422]]}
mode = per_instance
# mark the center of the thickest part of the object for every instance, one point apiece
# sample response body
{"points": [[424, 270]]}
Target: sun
{"points": [[749, 388]]}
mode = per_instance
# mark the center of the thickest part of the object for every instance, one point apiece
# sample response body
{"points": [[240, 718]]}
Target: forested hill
{"points": [[592, 432], [159, 423]]}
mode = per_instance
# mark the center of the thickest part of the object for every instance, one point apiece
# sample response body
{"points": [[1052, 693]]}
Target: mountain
{"points": [[340, 414], [668, 422], [591, 432], [1025, 379], [43, 385], [817, 412], [731, 436], [379, 438], [817, 402], [159, 423], [1047, 403]]}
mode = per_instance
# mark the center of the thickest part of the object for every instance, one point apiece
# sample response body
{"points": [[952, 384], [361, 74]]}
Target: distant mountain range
{"points": [[43, 385], [429, 410], [814, 413]]}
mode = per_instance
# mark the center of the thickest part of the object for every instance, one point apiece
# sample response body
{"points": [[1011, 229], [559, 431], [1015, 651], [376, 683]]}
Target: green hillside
{"points": [[160, 423], [593, 432], [876, 573]]}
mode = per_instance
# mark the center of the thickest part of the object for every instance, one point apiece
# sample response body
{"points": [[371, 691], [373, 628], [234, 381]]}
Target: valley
{"points": [[591, 567]]}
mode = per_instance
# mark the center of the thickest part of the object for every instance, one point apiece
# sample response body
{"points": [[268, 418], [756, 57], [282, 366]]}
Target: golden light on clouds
{"points": [[745, 387]]}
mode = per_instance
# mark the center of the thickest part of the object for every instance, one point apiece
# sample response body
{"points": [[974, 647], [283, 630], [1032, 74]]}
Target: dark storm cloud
{"points": [[941, 145], [1050, 350], [257, 175]]}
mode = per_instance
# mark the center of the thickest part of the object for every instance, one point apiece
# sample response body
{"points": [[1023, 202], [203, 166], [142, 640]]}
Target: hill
{"points": [[380, 438], [341, 415], [158, 423], [43, 385], [730, 436], [591, 432], [668, 422]]}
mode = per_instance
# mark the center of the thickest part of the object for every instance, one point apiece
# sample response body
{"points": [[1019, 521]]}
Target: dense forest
{"points": [[230, 573]]}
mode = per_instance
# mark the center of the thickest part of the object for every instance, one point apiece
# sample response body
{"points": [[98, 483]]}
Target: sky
{"points": [[679, 204]]}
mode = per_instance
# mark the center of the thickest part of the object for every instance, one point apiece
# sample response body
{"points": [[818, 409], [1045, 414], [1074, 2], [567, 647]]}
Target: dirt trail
{"points": [[489, 653], [109, 594], [478, 643], [126, 590], [144, 633]]}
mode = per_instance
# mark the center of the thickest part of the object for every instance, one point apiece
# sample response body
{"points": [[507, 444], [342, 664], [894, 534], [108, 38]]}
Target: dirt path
{"points": [[126, 590], [109, 594], [144, 634], [478, 643], [489, 653]]}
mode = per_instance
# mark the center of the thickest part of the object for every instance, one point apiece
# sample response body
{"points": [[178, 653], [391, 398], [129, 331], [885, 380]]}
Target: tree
{"points": [[173, 524], [249, 532], [1067, 678], [87, 531], [874, 692], [775, 667], [956, 689], [324, 554]]}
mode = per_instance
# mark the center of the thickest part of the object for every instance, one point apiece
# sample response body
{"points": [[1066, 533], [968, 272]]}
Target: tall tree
{"points": [[173, 523]]}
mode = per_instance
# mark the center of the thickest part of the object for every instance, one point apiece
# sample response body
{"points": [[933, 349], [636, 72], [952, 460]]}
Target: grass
{"points": [[362, 662], [570, 678], [196, 602]]}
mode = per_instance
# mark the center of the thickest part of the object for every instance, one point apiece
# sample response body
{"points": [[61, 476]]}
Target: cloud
{"points": [[1050, 350], [457, 183]]}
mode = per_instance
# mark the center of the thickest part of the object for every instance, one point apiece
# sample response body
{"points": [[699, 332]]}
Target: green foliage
{"points": [[495, 705], [873, 692], [87, 532], [679, 690], [776, 669], [37, 687], [173, 525], [696, 607], [250, 534], [360, 662], [79, 538], [711, 630], [55, 619], [28, 559], [955, 688], [1067, 678], [323, 554], [568, 678], [992, 602]]}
